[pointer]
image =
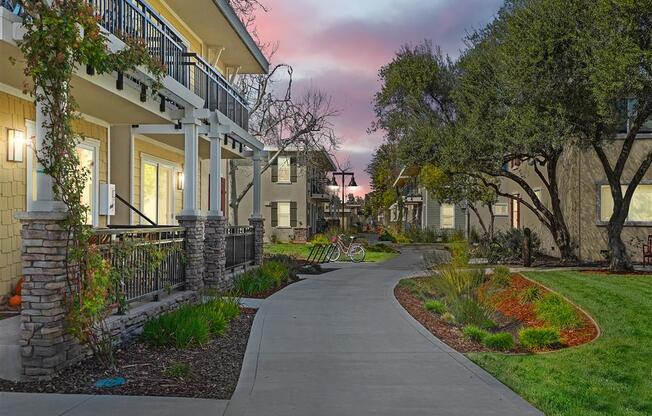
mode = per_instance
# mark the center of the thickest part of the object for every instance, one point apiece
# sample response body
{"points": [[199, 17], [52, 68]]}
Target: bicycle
{"points": [[355, 251]]}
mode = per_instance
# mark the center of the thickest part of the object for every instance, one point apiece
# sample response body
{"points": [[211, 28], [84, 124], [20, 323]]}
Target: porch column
{"points": [[45, 201], [256, 220], [191, 218], [215, 235]]}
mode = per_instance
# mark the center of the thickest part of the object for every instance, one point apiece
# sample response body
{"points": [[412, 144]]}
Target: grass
{"points": [[302, 251], [434, 305], [557, 312], [475, 333], [610, 376], [502, 341], [538, 337]]}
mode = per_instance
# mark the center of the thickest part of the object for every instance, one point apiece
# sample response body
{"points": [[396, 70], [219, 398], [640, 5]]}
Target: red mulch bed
{"points": [[507, 302], [511, 313], [449, 334]]}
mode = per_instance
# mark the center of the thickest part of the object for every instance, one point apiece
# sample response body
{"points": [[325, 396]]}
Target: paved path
{"points": [[339, 344]]}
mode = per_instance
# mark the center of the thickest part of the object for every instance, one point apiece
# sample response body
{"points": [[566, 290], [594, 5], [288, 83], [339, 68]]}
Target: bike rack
{"points": [[320, 253]]}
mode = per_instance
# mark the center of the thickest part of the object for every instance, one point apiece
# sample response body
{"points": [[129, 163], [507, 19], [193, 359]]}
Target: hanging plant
{"points": [[62, 36]]}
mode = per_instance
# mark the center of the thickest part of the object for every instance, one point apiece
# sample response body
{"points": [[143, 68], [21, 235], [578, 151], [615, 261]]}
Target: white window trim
{"points": [[598, 207], [146, 158], [441, 222], [94, 146], [88, 143], [278, 222], [278, 170], [502, 204]]}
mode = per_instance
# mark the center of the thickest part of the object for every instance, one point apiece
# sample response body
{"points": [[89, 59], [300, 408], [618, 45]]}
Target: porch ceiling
{"points": [[177, 141]]}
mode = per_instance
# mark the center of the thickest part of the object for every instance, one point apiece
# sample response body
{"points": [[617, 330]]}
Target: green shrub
{"points": [[530, 294], [459, 288], [448, 317], [533, 338], [401, 239], [410, 284], [501, 341], [271, 274], [459, 249], [436, 306], [475, 333], [506, 246], [558, 313], [190, 325], [387, 236], [319, 239], [501, 276]]}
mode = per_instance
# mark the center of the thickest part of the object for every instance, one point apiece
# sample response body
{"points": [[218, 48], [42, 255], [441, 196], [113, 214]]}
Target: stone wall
{"points": [[215, 253]]}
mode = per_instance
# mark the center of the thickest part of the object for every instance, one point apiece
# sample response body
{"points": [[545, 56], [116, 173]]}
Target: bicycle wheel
{"points": [[357, 253], [335, 253]]}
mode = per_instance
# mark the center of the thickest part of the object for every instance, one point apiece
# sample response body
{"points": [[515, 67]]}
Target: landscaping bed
{"points": [[209, 370], [503, 312]]}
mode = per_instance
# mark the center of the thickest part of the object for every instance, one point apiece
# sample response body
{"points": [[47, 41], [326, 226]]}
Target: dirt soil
{"points": [[209, 372]]}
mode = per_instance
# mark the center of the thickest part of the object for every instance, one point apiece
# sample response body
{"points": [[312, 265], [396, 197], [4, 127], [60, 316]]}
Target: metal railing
{"points": [[240, 248], [135, 19], [150, 260], [218, 94], [318, 186]]}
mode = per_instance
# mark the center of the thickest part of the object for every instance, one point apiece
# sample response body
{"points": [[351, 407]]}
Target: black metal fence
{"points": [[239, 246], [150, 260]]}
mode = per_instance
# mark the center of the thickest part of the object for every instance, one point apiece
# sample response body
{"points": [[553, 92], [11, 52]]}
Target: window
{"points": [[640, 209], [284, 169], [283, 214], [447, 216], [515, 209], [157, 197], [501, 209], [626, 109], [87, 154]]}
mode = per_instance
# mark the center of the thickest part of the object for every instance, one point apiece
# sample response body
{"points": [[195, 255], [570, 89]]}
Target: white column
{"points": [[45, 201], [191, 166], [216, 176], [256, 172]]}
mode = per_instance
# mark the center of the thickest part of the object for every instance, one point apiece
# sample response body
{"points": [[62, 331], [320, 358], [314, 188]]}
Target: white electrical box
{"points": [[107, 199]]}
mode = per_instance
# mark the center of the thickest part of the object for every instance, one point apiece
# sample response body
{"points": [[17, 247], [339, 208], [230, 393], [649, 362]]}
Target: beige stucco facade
{"points": [[580, 177]]}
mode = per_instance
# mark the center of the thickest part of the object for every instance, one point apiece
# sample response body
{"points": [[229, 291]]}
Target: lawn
{"points": [[612, 375], [303, 250]]}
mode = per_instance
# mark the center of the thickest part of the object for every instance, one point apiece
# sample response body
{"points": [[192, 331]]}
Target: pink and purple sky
{"points": [[337, 46]]}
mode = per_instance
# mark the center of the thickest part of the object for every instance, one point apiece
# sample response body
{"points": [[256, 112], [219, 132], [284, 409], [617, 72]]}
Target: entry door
{"points": [[158, 194]]}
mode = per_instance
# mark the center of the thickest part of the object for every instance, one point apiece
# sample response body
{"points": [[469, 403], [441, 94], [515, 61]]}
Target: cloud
{"points": [[339, 46]]}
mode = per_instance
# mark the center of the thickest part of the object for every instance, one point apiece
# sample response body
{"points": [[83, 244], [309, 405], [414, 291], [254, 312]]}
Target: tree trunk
{"points": [[492, 221], [619, 260], [477, 214]]}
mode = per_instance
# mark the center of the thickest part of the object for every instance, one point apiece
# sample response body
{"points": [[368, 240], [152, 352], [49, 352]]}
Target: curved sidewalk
{"points": [[340, 344]]}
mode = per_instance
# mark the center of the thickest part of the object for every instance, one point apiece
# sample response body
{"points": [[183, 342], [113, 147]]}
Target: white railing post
{"points": [[191, 165], [256, 172]]}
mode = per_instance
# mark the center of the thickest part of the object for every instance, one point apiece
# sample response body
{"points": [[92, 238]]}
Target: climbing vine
{"points": [[60, 37]]}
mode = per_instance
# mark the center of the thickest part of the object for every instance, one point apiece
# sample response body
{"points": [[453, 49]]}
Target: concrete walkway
{"points": [[340, 344]]}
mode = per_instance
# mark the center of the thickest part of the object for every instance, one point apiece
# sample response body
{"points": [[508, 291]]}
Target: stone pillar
{"points": [[46, 347], [259, 232], [215, 252], [194, 250]]}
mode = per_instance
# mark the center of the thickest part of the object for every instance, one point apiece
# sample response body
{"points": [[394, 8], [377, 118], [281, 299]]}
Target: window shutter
{"points": [[293, 169], [293, 214], [274, 214], [275, 171]]}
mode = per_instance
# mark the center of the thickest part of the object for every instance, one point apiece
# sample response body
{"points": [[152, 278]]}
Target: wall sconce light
{"points": [[15, 145], [180, 181]]}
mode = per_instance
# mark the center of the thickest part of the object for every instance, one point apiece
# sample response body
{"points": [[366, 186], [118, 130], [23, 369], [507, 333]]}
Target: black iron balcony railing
{"points": [[135, 19], [218, 94], [240, 247]]}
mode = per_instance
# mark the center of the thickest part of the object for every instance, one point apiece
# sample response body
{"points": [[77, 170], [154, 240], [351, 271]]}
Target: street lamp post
{"points": [[333, 186]]}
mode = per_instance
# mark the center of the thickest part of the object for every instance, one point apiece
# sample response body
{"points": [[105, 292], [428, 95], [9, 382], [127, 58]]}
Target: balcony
{"points": [[318, 190], [136, 19]]}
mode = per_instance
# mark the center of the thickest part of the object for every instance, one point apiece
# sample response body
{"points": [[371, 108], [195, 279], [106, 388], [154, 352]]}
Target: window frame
{"points": [[94, 146], [502, 204], [598, 205], [289, 214], [278, 169], [441, 216]]}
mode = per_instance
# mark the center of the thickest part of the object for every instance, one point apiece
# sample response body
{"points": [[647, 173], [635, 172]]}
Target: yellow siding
{"points": [[164, 10], [13, 187]]}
